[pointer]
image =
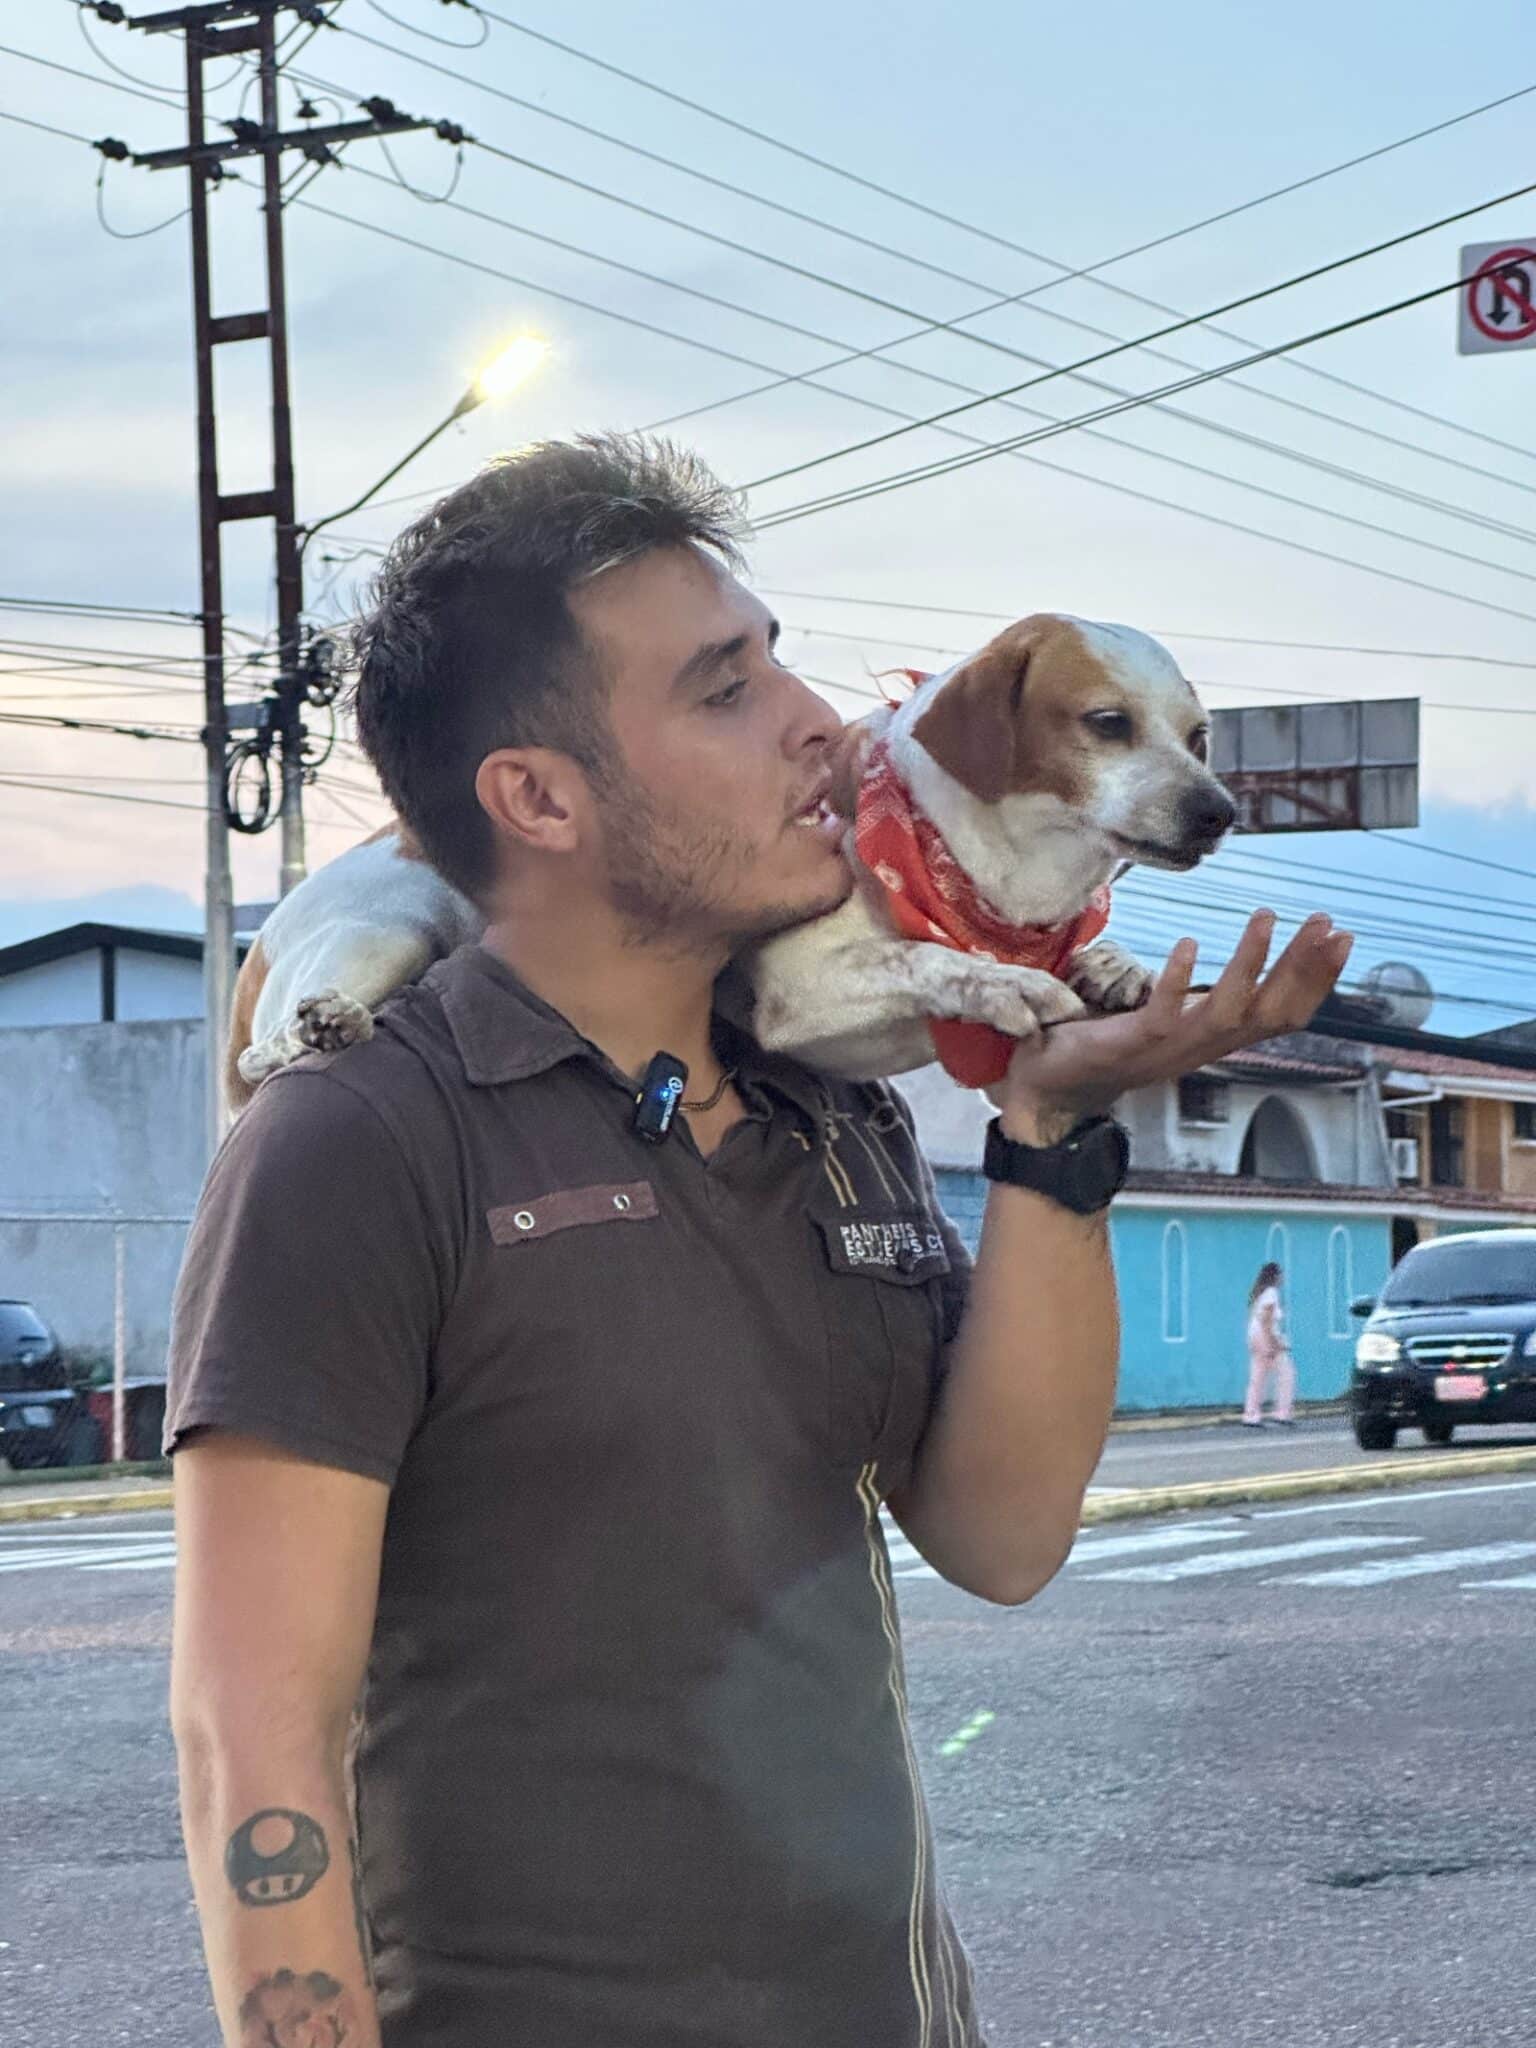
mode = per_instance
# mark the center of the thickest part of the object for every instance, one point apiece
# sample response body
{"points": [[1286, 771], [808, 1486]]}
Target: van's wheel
{"points": [[1439, 1433], [1375, 1433]]}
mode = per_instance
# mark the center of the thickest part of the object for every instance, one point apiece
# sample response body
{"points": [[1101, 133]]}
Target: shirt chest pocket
{"points": [[879, 1274]]}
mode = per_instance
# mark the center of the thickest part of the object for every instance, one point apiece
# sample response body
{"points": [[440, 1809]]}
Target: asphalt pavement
{"points": [[1236, 1779]]}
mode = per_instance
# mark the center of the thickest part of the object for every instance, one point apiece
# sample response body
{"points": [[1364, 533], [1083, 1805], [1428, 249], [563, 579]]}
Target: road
{"points": [[1248, 1778]]}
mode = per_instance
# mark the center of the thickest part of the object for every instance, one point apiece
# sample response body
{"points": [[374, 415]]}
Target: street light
{"points": [[494, 379]]}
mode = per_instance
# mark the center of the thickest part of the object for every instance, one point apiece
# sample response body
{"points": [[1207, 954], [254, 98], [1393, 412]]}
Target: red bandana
{"points": [[931, 897]]}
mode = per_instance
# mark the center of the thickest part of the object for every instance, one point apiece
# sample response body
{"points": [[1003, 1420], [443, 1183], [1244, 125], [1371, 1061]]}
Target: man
{"points": [[566, 1451]]}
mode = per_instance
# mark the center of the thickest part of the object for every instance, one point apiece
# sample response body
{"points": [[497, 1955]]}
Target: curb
{"points": [[1106, 1507], [66, 1506], [1135, 1421], [1170, 1500]]}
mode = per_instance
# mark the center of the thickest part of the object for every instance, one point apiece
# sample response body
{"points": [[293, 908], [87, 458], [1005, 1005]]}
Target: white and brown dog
{"points": [[986, 816]]}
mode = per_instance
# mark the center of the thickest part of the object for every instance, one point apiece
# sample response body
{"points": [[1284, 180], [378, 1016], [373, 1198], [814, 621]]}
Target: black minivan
{"points": [[1452, 1339]]}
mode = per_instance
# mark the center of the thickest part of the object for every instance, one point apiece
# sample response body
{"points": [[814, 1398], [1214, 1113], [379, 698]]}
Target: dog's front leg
{"points": [[860, 1009]]}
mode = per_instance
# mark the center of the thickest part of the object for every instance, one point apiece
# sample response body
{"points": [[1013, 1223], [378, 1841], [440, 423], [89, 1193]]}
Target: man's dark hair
{"points": [[468, 643]]}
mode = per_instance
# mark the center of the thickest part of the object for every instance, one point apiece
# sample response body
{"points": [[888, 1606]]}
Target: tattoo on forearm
{"points": [[275, 1857], [360, 1910], [289, 2010]]}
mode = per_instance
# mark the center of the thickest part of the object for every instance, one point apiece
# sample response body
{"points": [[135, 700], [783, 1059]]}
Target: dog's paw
{"points": [[1018, 1001], [1108, 978], [332, 1021]]}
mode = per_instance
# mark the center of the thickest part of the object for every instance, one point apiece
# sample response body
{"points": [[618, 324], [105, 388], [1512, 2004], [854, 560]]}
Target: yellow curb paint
{"points": [[66, 1506], [1169, 1500]]}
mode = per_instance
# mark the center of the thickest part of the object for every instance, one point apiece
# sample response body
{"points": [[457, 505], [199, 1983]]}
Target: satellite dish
{"points": [[1403, 992]]}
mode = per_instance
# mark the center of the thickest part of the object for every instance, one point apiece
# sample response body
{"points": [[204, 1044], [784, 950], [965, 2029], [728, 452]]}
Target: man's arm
{"points": [[997, 1490], [276, 1585]]}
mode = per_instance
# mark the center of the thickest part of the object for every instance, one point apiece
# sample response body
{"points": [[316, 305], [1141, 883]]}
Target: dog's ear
{"points": [[972, 726]]}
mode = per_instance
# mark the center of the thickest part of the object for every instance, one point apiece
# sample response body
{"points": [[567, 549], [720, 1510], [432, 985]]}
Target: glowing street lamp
{"points": [[505, 371]]}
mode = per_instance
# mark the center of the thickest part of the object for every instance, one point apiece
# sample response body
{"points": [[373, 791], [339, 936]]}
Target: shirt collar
{"points": [[504, 1032]]}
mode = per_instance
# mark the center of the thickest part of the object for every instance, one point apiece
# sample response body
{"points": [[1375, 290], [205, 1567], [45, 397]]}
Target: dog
{"points": [[985, 816]]}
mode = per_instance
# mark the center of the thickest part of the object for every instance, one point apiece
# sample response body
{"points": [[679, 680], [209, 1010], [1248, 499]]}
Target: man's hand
{"points": [[1077, 1069]]}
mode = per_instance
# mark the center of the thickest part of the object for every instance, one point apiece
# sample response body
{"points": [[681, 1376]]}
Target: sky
{"points": [[1355, 519]]}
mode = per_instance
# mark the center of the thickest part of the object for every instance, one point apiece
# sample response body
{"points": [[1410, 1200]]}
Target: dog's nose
{"points": [[1207, 812]]}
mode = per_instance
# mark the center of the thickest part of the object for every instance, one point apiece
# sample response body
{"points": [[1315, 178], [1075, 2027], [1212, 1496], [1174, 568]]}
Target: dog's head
{"points": [[1094, 722]]}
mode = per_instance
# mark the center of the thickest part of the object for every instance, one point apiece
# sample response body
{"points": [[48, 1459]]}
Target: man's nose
{"points": [[813, 722]]}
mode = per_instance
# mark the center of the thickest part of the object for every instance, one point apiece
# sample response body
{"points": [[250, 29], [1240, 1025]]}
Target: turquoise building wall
{"points": [[1184, 1275]]}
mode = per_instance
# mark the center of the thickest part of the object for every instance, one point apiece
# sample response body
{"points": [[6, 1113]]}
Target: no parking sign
{"points": [[1498, 297]]}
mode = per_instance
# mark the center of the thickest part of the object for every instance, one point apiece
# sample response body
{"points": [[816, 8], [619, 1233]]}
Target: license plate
{"points": [[38, 1418], [1460, 1386]]}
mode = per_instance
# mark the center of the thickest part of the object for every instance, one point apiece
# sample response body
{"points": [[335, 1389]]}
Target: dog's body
{"points": [[1042, 763]]}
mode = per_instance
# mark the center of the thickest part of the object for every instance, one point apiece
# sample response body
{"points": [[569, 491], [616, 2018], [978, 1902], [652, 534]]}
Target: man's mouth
{"points": [[817, 815]]}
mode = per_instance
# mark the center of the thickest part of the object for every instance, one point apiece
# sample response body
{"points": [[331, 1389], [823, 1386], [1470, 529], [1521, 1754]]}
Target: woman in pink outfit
{"points": [[1268, 1351]]}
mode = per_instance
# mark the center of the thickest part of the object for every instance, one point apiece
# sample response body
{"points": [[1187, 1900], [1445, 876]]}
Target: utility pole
{"points": [[222, 29]]}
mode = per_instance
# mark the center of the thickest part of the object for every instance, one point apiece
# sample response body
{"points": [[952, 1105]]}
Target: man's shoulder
{"points": [[397, 1079]]}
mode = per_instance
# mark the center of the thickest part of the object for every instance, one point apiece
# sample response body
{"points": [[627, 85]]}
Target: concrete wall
{"points": [[99, 1121]]}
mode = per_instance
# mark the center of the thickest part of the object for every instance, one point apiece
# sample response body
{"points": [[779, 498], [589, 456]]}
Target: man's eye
{"points": [[728, 696]]}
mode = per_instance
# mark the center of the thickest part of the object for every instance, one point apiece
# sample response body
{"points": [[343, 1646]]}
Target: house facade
{"points": [[1295, 1151]]}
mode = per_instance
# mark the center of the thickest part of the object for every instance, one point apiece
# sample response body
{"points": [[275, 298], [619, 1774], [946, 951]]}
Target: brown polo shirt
{"points": [[634, 1769]]}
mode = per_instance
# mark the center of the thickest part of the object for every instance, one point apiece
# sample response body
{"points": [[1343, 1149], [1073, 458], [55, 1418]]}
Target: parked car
{"points": [[1452, 1339], [43, 1420]]}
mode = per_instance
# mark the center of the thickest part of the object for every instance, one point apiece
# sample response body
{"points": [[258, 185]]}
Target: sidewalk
{"points": [[1151, 1465]]}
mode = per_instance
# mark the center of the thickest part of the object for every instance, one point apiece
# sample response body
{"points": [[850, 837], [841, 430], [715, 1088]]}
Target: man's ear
{"points": [[972, 726], [533, 795]]}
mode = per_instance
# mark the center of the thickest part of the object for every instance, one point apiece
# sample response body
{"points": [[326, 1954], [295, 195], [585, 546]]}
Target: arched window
{"points": [[1276, 1145], [1277, 1246], [1175, 1284], [1341, 1280]]}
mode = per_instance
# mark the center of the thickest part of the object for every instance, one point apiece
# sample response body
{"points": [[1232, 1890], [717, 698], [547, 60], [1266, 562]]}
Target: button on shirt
{"points": [[633, 1768]]}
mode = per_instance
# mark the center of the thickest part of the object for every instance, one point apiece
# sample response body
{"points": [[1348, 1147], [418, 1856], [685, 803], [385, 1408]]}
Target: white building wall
{"points": [[1342, 1125], [64, 991], [152, 985]]}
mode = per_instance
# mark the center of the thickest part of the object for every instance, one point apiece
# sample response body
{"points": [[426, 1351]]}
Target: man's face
{"points": [[711, 832]]}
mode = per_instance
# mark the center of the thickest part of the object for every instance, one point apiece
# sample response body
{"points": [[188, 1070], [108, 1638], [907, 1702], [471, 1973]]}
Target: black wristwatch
{"points": [[1084, 1172]]}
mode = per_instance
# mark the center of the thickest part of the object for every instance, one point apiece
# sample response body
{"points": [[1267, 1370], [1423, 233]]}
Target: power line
{"points": [[929, 324], [1470, 860], [190, 734], [46, 128], [1068, 274], [710, 348], [1028, 300], [943, 466], [1307, 460], [1270, 291]]}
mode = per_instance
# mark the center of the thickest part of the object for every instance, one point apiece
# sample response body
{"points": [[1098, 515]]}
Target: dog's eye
{"points": [[1110, 725], [1200, 742]]}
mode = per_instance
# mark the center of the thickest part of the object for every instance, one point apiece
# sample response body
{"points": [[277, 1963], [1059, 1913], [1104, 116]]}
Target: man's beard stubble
{"points": [[673, 883]]}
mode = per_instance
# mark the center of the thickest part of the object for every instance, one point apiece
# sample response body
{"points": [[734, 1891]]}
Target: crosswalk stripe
{"points": [[1245, 1559], [135, 1564], [43, 1560], [1379, 1569], [1085, 1551], [1523, 1582]]}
